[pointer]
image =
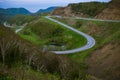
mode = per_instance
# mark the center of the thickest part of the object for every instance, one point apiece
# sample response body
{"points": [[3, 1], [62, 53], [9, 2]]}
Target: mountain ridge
{"points": [[47, 10], [6, 14], [14, 11]]}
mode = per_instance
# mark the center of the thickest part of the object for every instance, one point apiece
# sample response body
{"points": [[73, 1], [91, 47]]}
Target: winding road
{"points": [[89, 19], [90, 40], [17, 30]]}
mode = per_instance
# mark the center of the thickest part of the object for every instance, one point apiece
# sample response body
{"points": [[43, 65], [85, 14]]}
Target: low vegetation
{"points": [[22, 56]]}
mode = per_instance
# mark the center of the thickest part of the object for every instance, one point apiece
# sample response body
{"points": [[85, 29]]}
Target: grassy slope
{"points": [[68, 36]]}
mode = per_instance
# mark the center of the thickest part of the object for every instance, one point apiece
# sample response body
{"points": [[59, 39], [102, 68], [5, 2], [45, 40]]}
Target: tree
{"points": [[5, 45]]}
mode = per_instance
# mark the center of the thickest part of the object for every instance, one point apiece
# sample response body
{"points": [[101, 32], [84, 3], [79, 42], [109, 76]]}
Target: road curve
{"points": [[90, 40], [17, 30]]}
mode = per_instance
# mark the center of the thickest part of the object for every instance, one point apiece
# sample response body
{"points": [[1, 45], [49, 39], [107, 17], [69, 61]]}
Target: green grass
{"points": [[33, 38], [77, 40]]}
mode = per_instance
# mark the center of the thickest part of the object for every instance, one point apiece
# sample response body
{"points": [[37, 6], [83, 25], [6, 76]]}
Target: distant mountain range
{"points": [[50, 9], [7, 13], [14, 11]]}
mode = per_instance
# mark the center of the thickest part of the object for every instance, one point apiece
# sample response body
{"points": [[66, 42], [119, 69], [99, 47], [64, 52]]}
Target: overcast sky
{"points": [[34, 5]]}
